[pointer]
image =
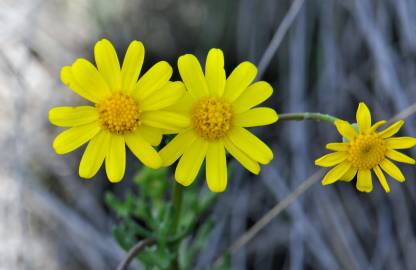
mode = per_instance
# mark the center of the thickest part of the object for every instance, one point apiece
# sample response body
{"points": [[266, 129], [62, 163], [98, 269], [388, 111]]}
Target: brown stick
{"points": [[134, 251]]}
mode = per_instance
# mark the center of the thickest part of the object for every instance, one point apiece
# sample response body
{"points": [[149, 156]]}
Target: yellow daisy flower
{"points": [[219, 109], [366, 149], [125, 111]]}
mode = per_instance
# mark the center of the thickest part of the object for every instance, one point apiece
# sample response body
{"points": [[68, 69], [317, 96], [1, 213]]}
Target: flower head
{"points": [[220, 109], [125, 110], [364, 150]]}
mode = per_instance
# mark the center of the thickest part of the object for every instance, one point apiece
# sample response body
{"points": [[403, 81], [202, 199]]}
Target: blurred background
{"points": [[334, 54]]}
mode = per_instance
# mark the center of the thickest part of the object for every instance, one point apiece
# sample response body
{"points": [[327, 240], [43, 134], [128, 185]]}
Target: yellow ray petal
{"points": [[331, 159], [143, 150], [239, 155], [132, 65], [363, 117], [72, 116], [400, 157], [175, 148], [165, 120], [400, 142], [192, 76], [150, 134], [336, 173], [74, 137], [90, 79], [364, 181], [191, 161], [391, 130], [256, 117], [67, 78], [252, 96], [154, 79], [377, 125], [345, 129], [349, 175], [382, 178], [238, 81], [251, 145], [94, 154], [392, 170], [107, 63], [164, 97], [215, 73], [216, 167], [183, 105], [341, 147], [115, 161]]}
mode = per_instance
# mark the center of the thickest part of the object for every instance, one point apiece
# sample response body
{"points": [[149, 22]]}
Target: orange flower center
{"points": [[211, 118], [119, 113]]}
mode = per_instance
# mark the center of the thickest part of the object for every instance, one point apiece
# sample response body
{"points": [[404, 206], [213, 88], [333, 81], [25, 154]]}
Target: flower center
{"points": [[211, 118], [366, 151], [119, 113]]}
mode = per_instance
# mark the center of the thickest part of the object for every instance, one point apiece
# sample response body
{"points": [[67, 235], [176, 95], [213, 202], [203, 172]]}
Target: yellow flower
{"points": [[126, 111], [364, 150], [219, 109]]}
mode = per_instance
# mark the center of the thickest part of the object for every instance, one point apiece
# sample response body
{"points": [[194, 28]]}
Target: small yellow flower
{"points": [[126, 111], [219, 109], [364, 150]]}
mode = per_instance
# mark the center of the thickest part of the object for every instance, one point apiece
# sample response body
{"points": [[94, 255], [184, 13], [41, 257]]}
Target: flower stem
{"points": [[307, 116]]}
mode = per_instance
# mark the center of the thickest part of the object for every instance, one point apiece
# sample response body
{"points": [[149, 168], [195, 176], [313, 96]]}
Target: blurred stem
{"points": [[307, 116], [177, 206]]}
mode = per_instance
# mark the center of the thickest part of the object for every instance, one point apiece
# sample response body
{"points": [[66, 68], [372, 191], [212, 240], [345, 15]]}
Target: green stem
{"points": [[177, 205], [307, 116]]}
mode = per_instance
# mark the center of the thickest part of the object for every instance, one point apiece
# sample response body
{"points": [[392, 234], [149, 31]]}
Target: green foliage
{"points": [[149, 212]]}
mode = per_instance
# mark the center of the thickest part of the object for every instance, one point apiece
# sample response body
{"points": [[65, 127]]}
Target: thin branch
{"points": [[278, 36], [269, 216], [134, 251]]}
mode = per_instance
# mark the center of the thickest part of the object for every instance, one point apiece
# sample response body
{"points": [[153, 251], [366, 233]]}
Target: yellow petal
{"points": [[251, 145], [400, 157], [382, 178], [143, 150], [107, 63], [115, 161], [90, 79], [215, 73], [132, 65], [191, 161], [74, 137], [336, 173], [391, 130], [364, 181], [238, 81], [345, 129], [67, 77], [400, 142], [337, 146], [163, 97], [175, 148], [216, 167], [363, 117], [192, 76], [154, 79], [150, 134], [252, 96], [72, 116], [392, 170], [165, 120], [349, 175], [331, 159], [256, 117], [239, 155], [377, 125], [94, 154], [183, 105]]}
